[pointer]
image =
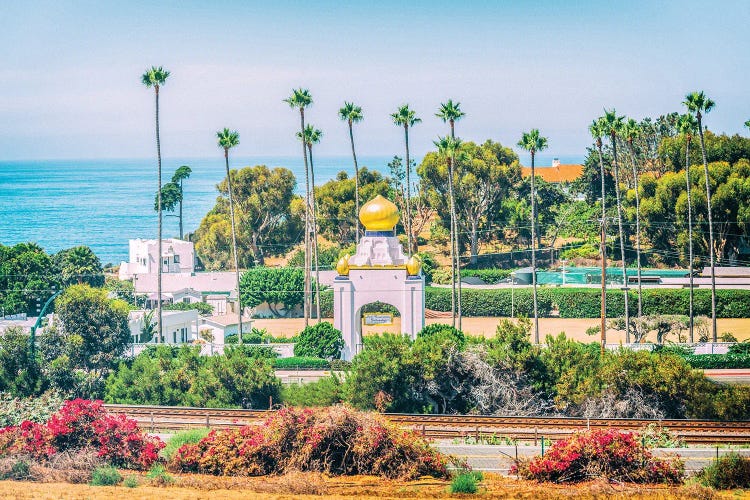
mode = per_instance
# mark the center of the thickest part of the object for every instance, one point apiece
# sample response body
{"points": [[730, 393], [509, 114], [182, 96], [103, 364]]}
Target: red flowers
{"points": [[80, 424], [609, 453]]}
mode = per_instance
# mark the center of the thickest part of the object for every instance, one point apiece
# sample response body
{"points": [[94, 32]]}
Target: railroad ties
{"points": [[524, 429]]}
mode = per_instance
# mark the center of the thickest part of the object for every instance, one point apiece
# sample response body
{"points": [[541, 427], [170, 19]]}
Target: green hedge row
{"points": [[301, 363], [709, 361], [492, 302], [489, 276]]}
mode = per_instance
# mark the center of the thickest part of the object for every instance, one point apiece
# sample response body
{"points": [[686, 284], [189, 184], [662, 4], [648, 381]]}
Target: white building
{"points": [[179, 327], [177, 256]]}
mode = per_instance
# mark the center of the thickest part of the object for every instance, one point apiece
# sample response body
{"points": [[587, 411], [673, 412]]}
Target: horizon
{"points": [[74, 90]]}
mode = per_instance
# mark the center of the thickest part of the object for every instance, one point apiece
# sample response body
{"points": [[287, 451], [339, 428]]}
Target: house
{"points": [[220, 286], [179, 327], [177, 256], [557, 173]]}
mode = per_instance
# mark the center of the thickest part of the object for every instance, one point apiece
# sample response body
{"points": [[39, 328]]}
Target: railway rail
{"points": [[524, 429]]}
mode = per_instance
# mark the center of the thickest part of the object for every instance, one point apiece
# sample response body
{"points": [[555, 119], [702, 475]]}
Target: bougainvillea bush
{"points": [[82, 424], [609, 454], [335, 440]]}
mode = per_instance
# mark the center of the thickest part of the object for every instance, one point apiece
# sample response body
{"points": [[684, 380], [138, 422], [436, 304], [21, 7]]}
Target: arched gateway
{"points": [[378, 272]]}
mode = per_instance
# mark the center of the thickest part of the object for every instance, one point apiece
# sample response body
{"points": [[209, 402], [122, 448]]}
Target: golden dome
{"points": [[379, 214], [413, 265], [342, 266]]}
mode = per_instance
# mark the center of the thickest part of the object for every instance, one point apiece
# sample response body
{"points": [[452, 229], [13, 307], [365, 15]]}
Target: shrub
{"points": [[321, 340], [451, 332], [610, 453], [158, 476], [464, 483], [335, 441], [19, 470], [106, 476], [13, 411], [728, 471], [340, 364], [130, 482], [181, 438], [489, 276], [740, 348], [301, 363], [324, 392], [490, 302], [203, 308], [710, 361]]}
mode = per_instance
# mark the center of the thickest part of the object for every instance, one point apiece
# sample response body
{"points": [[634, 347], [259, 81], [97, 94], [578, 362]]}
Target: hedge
{"points": [[301, 363], [490, 302], [489, 276], [709, 361]]}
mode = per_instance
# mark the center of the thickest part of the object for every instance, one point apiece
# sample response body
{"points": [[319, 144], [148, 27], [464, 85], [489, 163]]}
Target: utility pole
{"points": [[603, 251]]}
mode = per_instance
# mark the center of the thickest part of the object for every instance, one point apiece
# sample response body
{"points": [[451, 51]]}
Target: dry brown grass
{"points": [[310, 485]]}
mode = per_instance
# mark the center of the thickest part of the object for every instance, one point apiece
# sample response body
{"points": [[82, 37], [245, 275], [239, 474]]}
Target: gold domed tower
{"points": [[379, 214]]}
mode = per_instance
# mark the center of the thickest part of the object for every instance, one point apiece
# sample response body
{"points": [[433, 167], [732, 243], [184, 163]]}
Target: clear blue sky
{"points": [[69, 72]]}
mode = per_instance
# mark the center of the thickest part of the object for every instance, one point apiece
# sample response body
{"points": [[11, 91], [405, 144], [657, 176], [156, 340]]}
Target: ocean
{"points": [[104, 203]]}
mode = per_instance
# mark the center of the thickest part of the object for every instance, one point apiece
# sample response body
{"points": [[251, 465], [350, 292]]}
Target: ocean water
{"points": [[104, 203]]}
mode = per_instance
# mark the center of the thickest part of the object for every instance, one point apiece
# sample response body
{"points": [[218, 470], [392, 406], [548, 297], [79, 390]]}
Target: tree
{"points": [[747, 124], [352, 114], [227, 140], [319, 341], [686, 125], [533, 142], [156, 78], [28, 276], [20, 373], [698, 103], [80, 265], [301, 99], [172, 193], [630, 132], [280, 288], [312, 136], [597, 130], [613, 125], [484, 176], [406, 117]]}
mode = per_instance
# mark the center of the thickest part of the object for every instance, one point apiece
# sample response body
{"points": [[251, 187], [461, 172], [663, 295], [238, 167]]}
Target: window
{"points": [[176, 259], [186, 300]]}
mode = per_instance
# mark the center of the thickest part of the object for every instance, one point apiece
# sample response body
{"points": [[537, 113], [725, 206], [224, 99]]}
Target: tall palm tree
{"points": [[699, 103], [227, 140], [156, 78], [312, 136], [613, 126], [597, 131], [450, 112], [406, 117], [301, 99], [180, 175], [352, 114], [747, 123], [532, 142], [686, 125], [630, 131], [447, 147]]}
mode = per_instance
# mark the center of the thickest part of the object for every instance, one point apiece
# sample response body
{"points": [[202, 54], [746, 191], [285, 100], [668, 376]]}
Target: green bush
{"points": [[740, 348], [489, 276], [130, 482], [340, 365], [464, 483], [585, 251], [183, 437], [327, 391], [712, 361], [301, 363], [19, 471], [158, 476], [490, 302], [729, 471], [438, 328], [203, 308], [106, 476], [321, 340]]}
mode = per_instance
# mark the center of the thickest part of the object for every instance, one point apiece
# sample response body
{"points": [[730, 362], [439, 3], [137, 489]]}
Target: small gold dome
{"points": [[342, 266], [413, 265], [379, 214]]}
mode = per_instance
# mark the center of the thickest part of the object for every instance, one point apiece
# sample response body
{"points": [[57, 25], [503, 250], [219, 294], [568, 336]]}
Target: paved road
{"points": [[733, 376], [499, 458]]}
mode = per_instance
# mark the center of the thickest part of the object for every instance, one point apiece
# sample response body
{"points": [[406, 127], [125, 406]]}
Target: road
{"points": [[734, 376]]}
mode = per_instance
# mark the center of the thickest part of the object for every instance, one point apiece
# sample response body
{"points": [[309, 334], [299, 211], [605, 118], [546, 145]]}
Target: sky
{"points": [[70, 71]]}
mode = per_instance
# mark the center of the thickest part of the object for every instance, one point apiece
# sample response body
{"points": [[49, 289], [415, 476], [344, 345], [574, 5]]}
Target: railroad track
{"points": [[525, 429]]}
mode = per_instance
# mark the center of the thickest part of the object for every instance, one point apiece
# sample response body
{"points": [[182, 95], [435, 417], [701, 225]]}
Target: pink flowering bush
{"points": [[335, 440], [83, 424], [609, 453]]}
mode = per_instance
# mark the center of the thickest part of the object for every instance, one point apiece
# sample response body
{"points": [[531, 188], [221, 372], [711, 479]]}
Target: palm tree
{"points": [[597, 130], [156, 78], [312, 136], [301, 99], [686, 125], [227, 140], [613, 126], [699, 103], [450, 112], [447, 147], [532, 142], [747, 123], [180, 175], [352, 114], [630, 131], [406, 117]]}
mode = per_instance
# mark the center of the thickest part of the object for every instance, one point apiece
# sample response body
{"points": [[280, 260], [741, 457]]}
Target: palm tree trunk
{"points": [[181, 194], [234, 248], [710, 232], [603, 251], [637, 229], [315, 235], [307, 304], [356, 183], [158, 203], [408, 191], [691, 323], [533, 249], [451, 200], [456, 238], [622, 239]]}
